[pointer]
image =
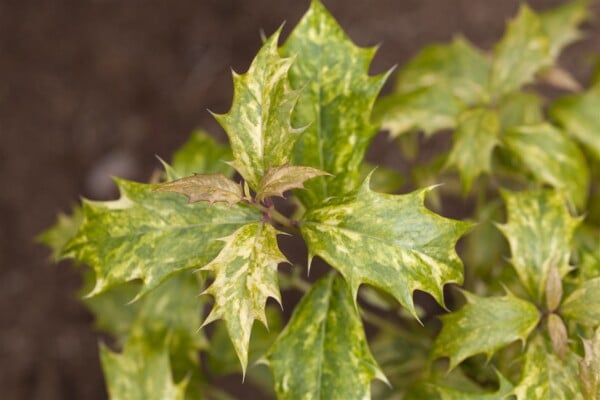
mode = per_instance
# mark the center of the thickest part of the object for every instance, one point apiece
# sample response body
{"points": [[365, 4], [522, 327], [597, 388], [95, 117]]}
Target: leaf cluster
{"points": [[299, 126]]}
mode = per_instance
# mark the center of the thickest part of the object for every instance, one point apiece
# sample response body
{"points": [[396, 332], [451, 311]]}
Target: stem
{"points": [[276, 216]]}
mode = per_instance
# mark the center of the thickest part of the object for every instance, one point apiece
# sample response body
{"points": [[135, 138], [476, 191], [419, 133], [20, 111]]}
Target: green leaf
{"points": [[539, 230], [258, 123], [201, 154], [389, 241], [245, 276], [551, 158], [454, 394], [474, 140], [335, 103], [561, 25], [545, 376], [281, 179], [522, 52], [589, 367], [458, 66], [149, 236], [323, 353], [484, 325], [583, 305], [211, 188], [61, 232], [141, 372], [383, 179], [429, 109], [520, 108], [578, 114]]}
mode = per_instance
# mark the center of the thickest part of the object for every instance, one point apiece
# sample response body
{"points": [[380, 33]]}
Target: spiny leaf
{"points": [[201, 154], [323, 353], [523, 51], [245, 276], [561, 25], [453, 394], [583, 305], [286, 177], [211, 188], [545, 376], [149, 236], [484, 325], [168, 317], [578, 114], [474, 140], [539, 230], [389, 241], [141, 372], [551, 158], [458, 66], [589, 367], [335, 103], [61, 232], [429, 109], [258, 123]]}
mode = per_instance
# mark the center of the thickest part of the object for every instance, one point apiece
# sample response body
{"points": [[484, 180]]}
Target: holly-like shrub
{"points": [[524, 322]]}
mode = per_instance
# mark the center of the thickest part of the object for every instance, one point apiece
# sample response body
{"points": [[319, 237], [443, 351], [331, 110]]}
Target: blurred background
{"points": [[94, 88]]}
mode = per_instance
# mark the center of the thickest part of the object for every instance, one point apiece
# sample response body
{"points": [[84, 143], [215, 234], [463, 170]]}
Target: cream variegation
{"points": [[322, 354], [551, 158], [545, 376], [149, 236], [539, 229], [258, 123], [583, 304], [335, 103], [389, 241], [475, 137], [484, 325], [245, 276]]}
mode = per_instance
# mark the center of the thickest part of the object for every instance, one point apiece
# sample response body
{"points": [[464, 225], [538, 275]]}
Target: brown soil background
{"points": [[90, 88]]}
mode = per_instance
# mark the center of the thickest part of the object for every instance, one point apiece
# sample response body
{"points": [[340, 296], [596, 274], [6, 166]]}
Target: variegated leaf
{"points": [[589, 367], [161, 319], [561, 25], [544, 376], [583, 305], [61, 232], [149, 236], [474, 140], [258, 123], [522, 52], [323, 353], [212, 188], [286, 177], [458, 66], [454, 394], [539, 230], [429, 109], [551, 158], [141, 372], [578, 114], [201, 154], [245, 276], [389, 241], [484, 325], [335, 104]]}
